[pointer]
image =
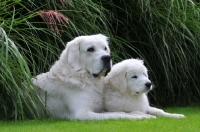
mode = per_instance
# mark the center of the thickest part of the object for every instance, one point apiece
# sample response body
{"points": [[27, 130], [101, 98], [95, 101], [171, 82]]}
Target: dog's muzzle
{"points": [[106, 61], [106, 65]]}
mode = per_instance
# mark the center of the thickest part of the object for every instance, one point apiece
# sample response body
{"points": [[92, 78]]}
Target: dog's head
{"points": [[90, 53], [130, 76]]}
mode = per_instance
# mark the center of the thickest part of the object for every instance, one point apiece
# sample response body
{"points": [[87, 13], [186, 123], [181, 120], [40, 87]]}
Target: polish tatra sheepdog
{"points": [[126, 88], [73, 87]]}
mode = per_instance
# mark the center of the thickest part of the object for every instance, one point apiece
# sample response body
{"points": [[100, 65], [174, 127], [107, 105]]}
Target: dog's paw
{"points": [[150, 116], [177, 115], [145, 117], [153, 117]]}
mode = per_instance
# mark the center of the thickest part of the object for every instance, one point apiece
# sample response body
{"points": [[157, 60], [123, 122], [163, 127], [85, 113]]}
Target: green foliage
{"points": [[18, 38], [166, 35]]}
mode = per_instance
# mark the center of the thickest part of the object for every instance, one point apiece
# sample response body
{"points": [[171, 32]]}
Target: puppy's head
{"points": [[90, 53], [130, 76]]}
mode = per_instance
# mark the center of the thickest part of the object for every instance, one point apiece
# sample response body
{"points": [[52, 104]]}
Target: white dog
{"points": [[74, 84], [126, 90]]}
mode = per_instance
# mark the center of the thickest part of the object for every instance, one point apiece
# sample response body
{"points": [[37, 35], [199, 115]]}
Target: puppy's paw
{"points": [[145, 117], [150, 116], [177, 116]]}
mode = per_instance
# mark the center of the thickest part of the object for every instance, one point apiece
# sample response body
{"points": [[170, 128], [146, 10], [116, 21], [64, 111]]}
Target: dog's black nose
{"points": [[106, 58], [95, 75], [148, 85]]}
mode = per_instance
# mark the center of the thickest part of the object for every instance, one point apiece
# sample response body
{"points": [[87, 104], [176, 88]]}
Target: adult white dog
{"points": [[74, 84], [126, 90]]}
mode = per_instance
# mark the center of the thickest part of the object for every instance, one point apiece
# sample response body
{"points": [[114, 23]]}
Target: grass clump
{"points": [[166, 35]]}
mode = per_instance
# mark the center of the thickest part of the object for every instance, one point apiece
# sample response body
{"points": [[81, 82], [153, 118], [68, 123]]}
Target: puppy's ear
{"points": [[118, 80], [73, 52]]}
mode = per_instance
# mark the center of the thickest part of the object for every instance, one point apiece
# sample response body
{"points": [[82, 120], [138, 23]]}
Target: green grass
{"points": [[161, 124]]}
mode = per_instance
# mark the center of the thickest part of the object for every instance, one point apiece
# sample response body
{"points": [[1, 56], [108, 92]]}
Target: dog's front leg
{"points": [[159, 112], [144, 115], [89, 115]]}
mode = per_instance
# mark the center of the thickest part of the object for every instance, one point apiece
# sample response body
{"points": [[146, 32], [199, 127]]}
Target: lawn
{"points": [[162, 124]]}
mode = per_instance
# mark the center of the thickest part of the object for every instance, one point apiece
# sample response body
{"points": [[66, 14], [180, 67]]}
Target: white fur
{"points": [[126, 93], [72, 90]]}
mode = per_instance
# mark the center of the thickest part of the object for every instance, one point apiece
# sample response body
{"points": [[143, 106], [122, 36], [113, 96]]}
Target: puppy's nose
{"points": [[106, 58], [148, 85]]}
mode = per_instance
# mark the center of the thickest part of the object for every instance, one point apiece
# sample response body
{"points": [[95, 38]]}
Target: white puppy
{"points": [[126, 90], [73, 87]]}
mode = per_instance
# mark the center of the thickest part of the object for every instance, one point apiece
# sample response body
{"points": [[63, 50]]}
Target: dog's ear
{"points": [[73, 52], [118, 80]]}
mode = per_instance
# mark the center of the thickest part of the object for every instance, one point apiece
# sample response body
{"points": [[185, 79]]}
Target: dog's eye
{"points": [[134, 77], [105, 48], [90, 49]]}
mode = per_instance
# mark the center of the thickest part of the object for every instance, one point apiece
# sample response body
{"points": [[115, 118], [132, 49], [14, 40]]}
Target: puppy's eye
{"points": [[134, 77], [105, 48], [90, 49]]}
